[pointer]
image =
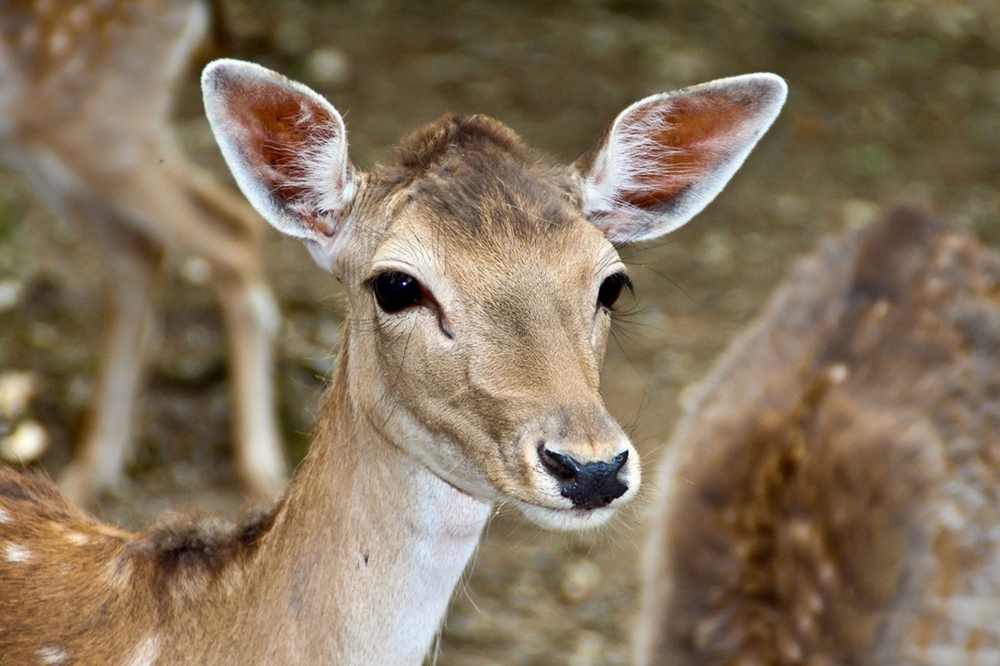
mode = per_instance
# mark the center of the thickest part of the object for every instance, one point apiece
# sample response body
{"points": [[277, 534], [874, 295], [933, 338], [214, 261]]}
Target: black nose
{"points": [[590, 485]]}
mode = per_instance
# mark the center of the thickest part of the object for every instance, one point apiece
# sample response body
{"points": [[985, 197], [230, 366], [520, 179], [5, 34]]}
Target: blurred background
{"points": [[889, 101]]}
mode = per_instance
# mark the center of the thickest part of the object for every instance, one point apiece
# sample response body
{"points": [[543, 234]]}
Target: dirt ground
{"points": [[889, 101]]}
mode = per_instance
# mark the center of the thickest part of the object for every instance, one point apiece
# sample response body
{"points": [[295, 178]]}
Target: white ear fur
{"points": [[667, 156], [287, 149]]}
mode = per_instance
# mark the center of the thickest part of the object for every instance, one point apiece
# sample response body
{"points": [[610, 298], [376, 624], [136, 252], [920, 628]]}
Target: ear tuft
{"points": [[667, 156], [287, 148]]}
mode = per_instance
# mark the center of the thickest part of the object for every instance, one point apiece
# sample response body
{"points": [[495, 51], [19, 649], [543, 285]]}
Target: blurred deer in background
{"points": [[86, 87], [833, 496], [480, 284]]}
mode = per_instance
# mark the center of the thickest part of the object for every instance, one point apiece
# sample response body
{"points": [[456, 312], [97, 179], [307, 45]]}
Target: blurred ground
{"points": [[889, 101]]}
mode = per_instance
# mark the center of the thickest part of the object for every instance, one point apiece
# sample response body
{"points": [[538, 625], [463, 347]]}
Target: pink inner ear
{"points": [[680, 143], [279, 131]]}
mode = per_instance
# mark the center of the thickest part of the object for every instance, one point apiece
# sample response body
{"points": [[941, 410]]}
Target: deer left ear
{"points": [[667, 156]]}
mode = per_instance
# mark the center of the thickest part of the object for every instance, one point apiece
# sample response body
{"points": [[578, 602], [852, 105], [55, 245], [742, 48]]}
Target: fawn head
{"points": [[480, 279]]}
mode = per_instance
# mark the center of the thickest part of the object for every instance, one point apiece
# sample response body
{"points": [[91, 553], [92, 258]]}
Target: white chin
{"points": [[566, 519]]}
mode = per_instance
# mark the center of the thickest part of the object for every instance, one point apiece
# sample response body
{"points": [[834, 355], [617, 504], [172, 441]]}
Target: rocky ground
{"points": [[890, 101]]}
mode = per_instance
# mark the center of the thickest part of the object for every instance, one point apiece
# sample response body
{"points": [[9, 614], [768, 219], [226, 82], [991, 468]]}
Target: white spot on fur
{"points": [[197, 270], [52, 655], [146, 653], [4, 516], [77, 538], [951, 516], [837, 373], [880, 309], [801, 532], [59, 43], [792, 652], [804, 623], [16, 553], [827, 574]]}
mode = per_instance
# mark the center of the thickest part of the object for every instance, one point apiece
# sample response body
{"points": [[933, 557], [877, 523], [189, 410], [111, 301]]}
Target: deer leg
{"points": [[99, 461], [251, 319], [197, 214]]}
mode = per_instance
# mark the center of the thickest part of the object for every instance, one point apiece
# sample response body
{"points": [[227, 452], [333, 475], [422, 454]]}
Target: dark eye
{"points": [[395, 291], [611, 289]]}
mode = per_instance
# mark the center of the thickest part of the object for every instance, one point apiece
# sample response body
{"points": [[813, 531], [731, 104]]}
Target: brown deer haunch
{"points": [[832, 496]]}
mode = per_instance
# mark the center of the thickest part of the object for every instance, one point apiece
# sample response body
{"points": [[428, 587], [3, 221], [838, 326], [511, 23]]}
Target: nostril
{"points": [[559, 465], [617, 462]]}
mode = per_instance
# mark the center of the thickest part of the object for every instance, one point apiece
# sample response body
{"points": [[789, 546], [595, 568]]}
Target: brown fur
{"points": [[435, 411], [831, 497], [107, 577], [187, 582], [86, 90], [521, 196], [423, 148]]}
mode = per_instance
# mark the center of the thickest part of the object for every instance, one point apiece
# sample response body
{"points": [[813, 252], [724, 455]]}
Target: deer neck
{"points": [[370, 543]]}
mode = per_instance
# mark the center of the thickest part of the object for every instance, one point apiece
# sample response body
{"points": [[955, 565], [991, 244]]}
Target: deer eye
{"points": [[611, 289], [396, 291]]}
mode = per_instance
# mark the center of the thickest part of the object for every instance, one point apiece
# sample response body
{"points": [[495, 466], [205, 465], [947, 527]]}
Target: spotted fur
{"points": [[832, 497], [86, 91]]}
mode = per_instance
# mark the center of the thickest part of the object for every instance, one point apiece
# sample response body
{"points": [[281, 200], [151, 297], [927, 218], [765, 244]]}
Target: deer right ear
{"points": [[667, 156], [287, 148]]}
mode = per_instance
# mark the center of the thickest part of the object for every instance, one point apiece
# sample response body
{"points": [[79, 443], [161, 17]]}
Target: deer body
{"points": [[480, 282], [316, 581], [86, 89], [831, 498]]}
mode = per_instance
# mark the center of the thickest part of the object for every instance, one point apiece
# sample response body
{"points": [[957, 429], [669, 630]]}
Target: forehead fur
{"points": [[475, 178], [423, 148]]}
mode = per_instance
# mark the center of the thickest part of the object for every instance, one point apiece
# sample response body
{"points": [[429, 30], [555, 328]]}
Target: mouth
{"points": [[569, 519]]}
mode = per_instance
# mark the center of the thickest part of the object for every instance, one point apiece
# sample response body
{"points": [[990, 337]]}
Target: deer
{"points": [[830, 496], [86, 89], [480, 279]]}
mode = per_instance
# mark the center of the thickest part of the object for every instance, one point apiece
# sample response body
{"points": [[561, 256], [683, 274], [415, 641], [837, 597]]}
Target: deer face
{"points": [[481, 281], [482, 315]]}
